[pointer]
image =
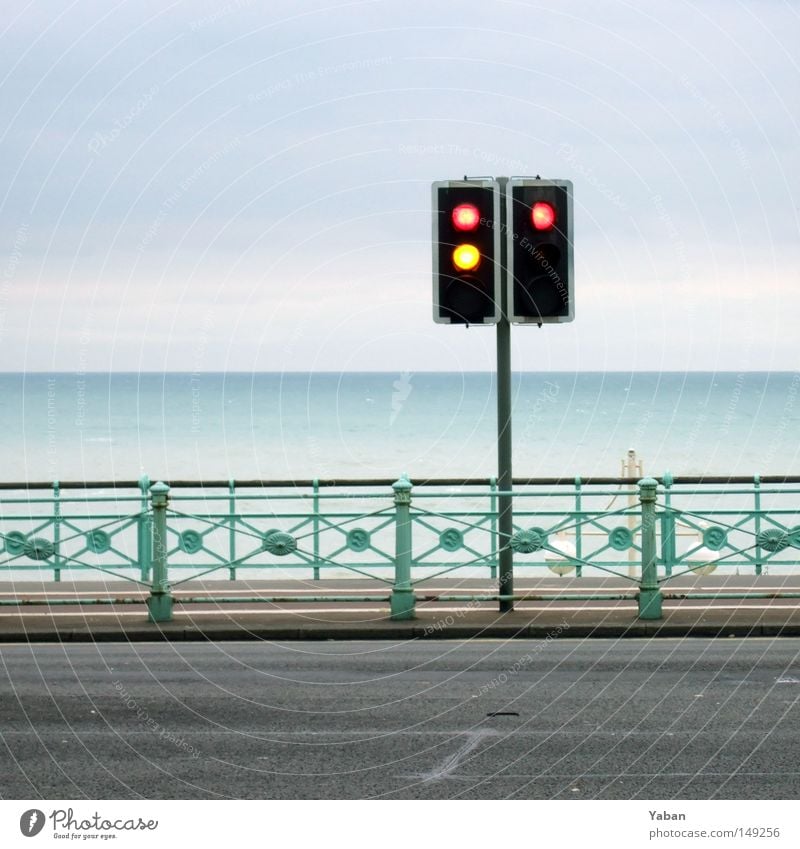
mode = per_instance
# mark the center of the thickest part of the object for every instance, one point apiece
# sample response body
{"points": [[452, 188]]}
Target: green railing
{"points": [[399, 534]]}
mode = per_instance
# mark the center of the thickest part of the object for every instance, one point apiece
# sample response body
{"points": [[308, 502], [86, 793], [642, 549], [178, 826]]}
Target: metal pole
{"points": [[231, 528], [402, 601], [505, 523], [649, 591], [56, 532], [493, 524], [668, 529], [160, 602], [757, 505], [144, 536], [631, 469], [315, 527], [578, 528]]}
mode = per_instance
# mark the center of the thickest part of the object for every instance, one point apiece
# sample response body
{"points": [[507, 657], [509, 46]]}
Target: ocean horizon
{"points": [[292, 425]]}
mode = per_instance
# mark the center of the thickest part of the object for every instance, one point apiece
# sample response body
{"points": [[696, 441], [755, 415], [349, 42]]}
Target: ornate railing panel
{"points": [[397, 533]]}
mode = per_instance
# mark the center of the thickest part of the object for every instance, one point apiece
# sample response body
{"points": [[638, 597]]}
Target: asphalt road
{"points": [[606, 719]]}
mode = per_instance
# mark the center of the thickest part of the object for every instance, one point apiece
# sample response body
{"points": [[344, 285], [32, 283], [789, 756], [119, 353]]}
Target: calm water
{"points": [[69, 426]]}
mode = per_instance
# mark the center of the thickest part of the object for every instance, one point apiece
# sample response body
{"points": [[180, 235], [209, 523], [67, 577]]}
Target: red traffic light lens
{"points": [[543, 216], [466, 216], [466, 257]]}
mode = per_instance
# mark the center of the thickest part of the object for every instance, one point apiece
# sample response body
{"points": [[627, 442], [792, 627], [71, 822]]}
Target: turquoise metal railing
{"points": [[161, 537]]}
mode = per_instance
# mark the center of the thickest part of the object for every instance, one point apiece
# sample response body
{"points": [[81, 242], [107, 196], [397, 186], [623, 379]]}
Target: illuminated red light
{"points": [[543, 216], [466, 216]]}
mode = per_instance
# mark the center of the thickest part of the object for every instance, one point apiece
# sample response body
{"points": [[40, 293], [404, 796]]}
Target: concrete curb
{"points": [[391, 631]]}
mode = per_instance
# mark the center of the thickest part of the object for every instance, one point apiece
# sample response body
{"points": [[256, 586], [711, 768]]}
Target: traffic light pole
{"points": [[522, 227], [505, 523]]}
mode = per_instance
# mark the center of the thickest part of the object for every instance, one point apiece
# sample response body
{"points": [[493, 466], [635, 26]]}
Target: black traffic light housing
{"points": [[540, 263], [466, 252]]}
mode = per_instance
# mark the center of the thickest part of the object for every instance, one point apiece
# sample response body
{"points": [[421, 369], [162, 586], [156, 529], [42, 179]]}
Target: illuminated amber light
{"points": [[466, 257]]}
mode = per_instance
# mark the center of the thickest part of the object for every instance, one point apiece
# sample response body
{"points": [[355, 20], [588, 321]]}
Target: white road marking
{"points": [[448, 768]]}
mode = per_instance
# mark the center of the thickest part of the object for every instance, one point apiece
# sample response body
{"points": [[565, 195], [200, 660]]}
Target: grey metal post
{"points": [[160, 602], [315, 527], [668, 547], [493, 524], [649, 590], [232, 529], [757, 509], [402, 601], [505, 524], [56, 531], [144, 533]]}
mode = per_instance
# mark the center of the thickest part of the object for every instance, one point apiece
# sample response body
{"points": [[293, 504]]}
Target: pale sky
{"points": [[211, 186]]}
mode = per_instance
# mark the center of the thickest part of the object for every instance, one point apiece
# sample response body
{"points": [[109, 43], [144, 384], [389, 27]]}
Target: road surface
{"points": [[483, 719]]}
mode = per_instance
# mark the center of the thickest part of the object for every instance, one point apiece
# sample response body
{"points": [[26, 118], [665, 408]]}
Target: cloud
{"points": [[276, 164]]}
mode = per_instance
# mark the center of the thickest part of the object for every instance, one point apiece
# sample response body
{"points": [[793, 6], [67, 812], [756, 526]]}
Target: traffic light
{"points": [[466, 252], [540, 266]]}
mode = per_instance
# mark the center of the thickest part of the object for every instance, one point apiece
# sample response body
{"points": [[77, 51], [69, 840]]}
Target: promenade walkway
{"points": [[444, 610]]}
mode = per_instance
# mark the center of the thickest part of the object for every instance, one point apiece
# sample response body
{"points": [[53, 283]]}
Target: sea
{"points": [[356, 425]]}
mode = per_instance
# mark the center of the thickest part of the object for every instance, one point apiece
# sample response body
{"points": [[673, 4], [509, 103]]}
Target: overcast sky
{"points": [[211, 186]]}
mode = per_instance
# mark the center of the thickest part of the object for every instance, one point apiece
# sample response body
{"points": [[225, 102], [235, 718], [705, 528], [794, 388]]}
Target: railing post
{"points": [[668, 527], [160, 602], [56, 531], [402, 602], [231, 528], [493, 524], [649, 591], [757, 518], [315, 527], [144, 533], [578, 526]]}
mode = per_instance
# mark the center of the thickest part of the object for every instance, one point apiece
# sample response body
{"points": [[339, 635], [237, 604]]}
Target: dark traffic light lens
{"points": [[466, 217], [543, 216], [467, 300], [542, 292]]}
